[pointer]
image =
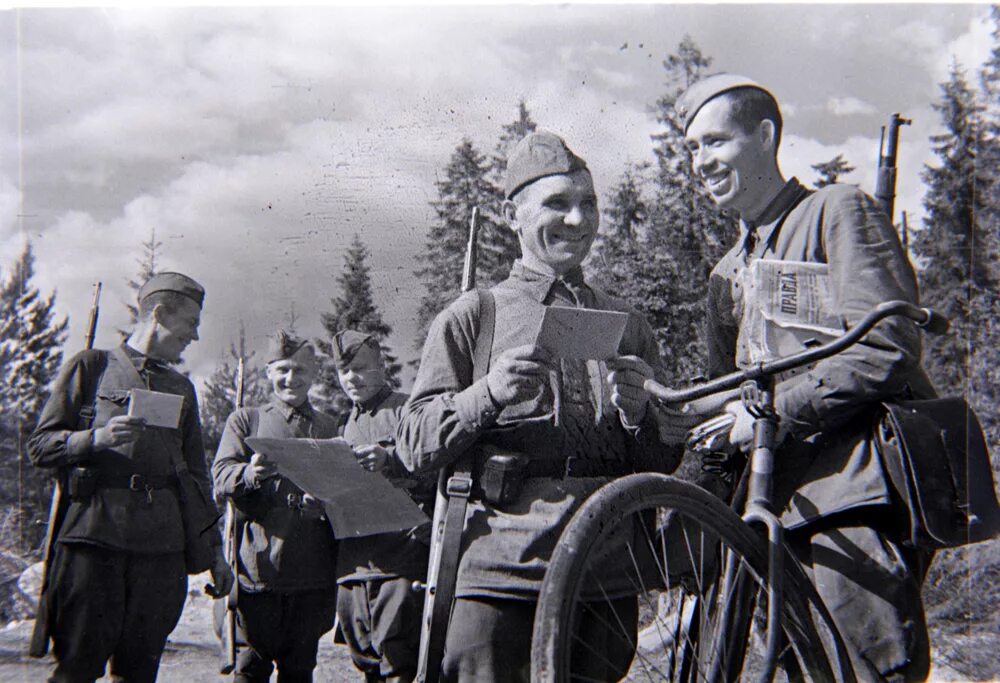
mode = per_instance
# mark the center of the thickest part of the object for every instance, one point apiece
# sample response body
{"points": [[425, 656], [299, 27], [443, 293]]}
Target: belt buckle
{"points": [[137, 482]]}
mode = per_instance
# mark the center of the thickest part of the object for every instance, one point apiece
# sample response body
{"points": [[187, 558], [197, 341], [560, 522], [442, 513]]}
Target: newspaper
{"points": [[787, 306]]}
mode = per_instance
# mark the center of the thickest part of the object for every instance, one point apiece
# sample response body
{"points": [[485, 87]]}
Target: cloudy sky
{"points": [[257, 142]]}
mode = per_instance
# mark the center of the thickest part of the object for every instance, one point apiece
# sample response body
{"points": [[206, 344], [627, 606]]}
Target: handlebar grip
{"points": [[935, 322]]}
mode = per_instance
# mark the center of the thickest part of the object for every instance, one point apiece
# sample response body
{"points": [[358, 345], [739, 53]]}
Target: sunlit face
{"points": [[556, 220], [175, 330], [292, 377], [730, 161], [364, 376]]}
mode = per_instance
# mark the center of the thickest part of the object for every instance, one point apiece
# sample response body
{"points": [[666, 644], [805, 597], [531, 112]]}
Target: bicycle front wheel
{"points": [[634, 592]]}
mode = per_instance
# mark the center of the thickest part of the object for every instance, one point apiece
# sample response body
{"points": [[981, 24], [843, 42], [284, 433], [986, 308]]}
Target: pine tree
{"points": [[354, 308], [830, 171], [664, 271], [218, 399], [957, 247], [30, 355], [147, 269], [466, 185]]}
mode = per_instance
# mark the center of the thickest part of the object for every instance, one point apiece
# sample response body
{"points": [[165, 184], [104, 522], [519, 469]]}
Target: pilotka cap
{"points": [[283, 346], [173, 282], [538, 155], [347, 343], [699, 94]]}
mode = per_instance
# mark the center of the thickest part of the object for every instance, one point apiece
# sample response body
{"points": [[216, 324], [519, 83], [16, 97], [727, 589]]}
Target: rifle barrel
{"points": [[94, 312], [469, 266]]}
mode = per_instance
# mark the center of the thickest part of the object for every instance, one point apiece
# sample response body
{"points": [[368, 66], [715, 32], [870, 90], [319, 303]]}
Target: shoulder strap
{"points": [[484, 338], [88, 411]]}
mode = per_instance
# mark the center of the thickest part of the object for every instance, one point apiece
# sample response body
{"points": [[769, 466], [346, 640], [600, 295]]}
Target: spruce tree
{"points": [[354, 308], [30, 355], [147, 269], [466, 184], [830, 171], [218, 399]]}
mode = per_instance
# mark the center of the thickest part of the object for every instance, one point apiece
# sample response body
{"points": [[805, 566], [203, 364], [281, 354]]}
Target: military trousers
{"points": [[871, 586], [113, 605], [282, 629], [380, 620], [489, 641]]}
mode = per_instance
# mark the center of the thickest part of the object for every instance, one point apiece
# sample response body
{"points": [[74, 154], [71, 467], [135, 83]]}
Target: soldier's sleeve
{"points": [[647, 449], [230, 469], [57, 441], [446, 411], [867, 266]]}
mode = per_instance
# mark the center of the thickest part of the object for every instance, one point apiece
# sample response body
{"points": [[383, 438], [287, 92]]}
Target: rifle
{"points": [[885, 182], [39, 644], [230, 647], [453, 489]]}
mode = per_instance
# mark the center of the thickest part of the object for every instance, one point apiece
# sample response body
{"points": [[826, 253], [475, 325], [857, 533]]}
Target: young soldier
{"points": [[379, 610], [287, 552], [574, 427], [828, 475], [118, 580]]}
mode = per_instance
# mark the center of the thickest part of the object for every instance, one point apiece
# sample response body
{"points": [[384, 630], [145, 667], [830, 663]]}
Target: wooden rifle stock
{"points": [[230, 647], [441, 568], [40, 634]]}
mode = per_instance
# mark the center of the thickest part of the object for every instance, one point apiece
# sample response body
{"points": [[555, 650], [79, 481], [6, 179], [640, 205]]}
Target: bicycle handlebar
{"points": [[932, 322]]}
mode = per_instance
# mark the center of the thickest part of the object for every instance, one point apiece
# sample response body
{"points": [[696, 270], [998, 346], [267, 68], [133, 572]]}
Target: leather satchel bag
{"points": [[935, 454]]}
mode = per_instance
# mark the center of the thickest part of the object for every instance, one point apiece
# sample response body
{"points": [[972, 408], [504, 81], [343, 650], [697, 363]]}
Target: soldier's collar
{"points": [[305, 410], [539, 284], [374, 402], [768, 225]]}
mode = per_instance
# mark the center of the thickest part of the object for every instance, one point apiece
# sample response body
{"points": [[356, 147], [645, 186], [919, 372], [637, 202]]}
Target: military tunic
{"points": [[570, 426], [287, 555], [828, 477], [378, 608], [118, 574]]}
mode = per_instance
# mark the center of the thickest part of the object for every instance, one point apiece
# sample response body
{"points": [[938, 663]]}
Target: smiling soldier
{"points": [[560, 420], [287, 552]]}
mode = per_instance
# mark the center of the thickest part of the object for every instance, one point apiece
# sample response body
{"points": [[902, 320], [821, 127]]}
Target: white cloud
{"points": [[849, 106]]}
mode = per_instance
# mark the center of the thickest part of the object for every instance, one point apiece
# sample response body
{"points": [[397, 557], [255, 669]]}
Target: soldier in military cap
{"points": [[287, 552], [574, 423], [828, 478], [118, 578], [378, 608]]}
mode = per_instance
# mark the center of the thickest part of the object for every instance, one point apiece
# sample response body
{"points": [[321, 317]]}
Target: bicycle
{"points": [[708, 581]]}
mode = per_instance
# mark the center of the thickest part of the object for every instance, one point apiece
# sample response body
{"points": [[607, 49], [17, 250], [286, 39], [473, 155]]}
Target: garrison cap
{"points": [[283, 346], [347, 343], [173, 282], [538, 155], [699, 94]]}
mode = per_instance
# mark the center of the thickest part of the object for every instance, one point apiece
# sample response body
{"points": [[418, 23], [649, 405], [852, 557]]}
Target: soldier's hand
{"points": [[311, 503], [373, 457], [741, 433], [517, 374], [261, 469], [222, 576], [121, 430], [627, 376]]}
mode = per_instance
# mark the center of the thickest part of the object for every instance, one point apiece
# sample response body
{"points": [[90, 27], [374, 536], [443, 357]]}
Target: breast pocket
{"points": [[110, 403]]}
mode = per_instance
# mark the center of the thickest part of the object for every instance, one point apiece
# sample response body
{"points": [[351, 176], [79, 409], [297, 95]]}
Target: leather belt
{"points": [[136, 482]]}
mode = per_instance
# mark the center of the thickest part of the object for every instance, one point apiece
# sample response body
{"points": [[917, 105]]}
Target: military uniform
{"points": [[571, 432], [287, 554], [117, 579], [829, 482], [379, 610]]}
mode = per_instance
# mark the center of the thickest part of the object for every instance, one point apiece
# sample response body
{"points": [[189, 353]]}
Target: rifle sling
{"points": [[458, 489]]}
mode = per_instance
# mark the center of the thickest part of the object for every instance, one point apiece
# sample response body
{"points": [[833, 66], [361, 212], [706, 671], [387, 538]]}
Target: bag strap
{"points": [[457, 489], [88, 411]]}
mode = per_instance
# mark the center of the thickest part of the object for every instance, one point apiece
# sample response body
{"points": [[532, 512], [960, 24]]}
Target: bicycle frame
{"points": [[757, 396]]}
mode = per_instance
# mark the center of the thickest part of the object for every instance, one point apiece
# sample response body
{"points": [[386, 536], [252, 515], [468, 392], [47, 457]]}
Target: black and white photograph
{"points": [[500, 343]]}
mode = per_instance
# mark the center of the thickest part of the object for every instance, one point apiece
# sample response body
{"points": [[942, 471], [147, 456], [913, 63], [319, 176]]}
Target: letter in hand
{"points": [[517, 374], [222, 576], [372, 457], [121, 430], [261, 469]]}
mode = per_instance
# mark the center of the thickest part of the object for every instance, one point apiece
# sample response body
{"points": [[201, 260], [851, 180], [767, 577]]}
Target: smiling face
{"points": [[292, 377], [736, 165], [556, 220], [364, 375], [177, 326]]}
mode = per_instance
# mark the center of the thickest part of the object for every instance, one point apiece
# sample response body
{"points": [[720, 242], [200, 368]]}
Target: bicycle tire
{"points": [[697, 639]]}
